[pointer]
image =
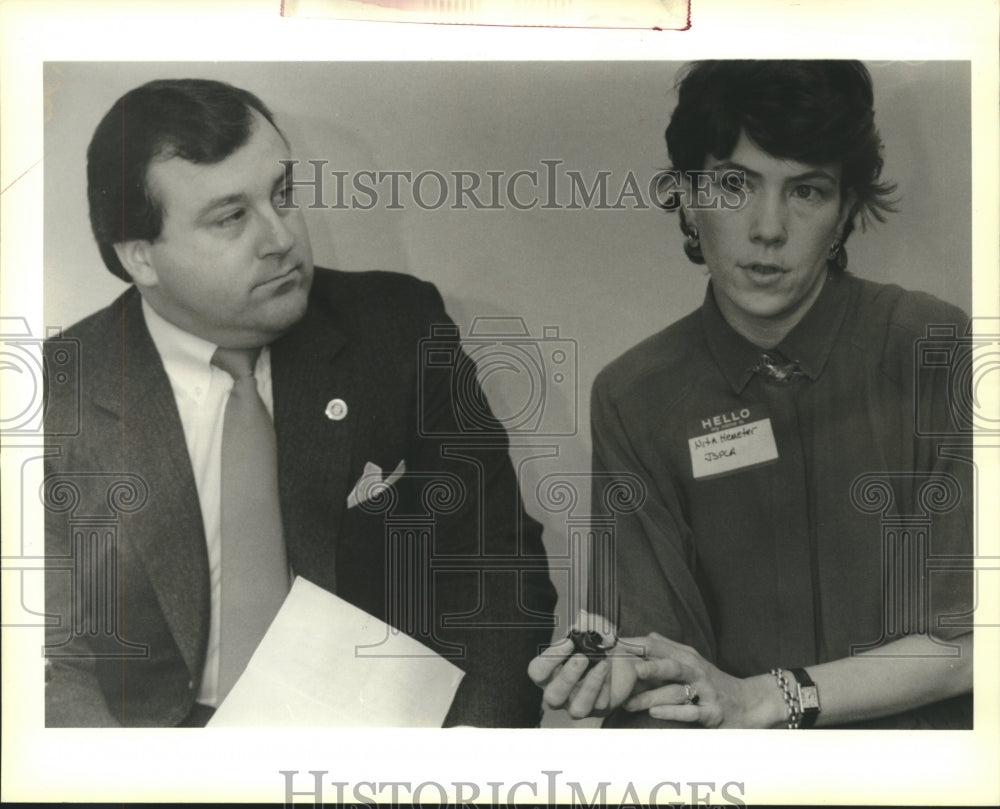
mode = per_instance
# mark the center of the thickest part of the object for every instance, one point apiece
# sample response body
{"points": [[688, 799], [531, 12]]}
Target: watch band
{"points": [[809, 707]]}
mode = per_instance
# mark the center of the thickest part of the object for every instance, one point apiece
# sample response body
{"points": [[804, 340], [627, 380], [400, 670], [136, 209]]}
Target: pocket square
{"points": [[371, 484]]}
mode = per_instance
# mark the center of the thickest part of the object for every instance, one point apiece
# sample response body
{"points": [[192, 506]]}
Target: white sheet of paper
{"points": [[326, 663]]}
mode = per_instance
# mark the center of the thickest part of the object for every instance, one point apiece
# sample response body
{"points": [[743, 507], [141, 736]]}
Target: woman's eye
{"points": [[735, 179]]}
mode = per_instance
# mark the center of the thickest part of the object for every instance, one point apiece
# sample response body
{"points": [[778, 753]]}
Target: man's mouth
{"points": [[286, 275]]}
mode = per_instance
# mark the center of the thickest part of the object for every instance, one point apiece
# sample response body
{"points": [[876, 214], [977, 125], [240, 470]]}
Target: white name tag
{"points": [[731, 441]]}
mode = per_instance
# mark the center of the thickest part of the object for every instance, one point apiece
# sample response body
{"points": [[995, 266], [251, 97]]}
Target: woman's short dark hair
{"points": [[198, 120], [817, 112]]}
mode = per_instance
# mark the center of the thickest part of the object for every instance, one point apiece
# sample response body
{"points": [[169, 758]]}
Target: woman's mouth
{"points": [[764, 271]]}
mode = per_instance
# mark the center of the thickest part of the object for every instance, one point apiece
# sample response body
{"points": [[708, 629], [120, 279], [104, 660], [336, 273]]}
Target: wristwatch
{"points": [[808, 698]]}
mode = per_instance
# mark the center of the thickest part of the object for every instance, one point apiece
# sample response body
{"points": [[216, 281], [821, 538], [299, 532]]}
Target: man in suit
{"points": [[191, 202]]}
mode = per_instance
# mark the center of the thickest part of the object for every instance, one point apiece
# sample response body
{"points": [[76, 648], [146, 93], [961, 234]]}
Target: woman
{"points": [[778, 571]]}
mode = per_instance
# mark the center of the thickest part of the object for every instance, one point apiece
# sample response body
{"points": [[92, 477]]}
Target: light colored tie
{"points": [[254, 564]]}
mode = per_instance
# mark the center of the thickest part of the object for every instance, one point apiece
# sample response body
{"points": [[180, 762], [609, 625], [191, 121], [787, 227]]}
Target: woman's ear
{"points": [[692, 238], [848, 208]]}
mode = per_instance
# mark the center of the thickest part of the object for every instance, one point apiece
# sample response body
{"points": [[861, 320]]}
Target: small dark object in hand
{"points": [[590, 644]]}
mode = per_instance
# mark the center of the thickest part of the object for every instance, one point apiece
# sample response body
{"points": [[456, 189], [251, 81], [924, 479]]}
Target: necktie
{"points": [[777, 368], [254, 565]]}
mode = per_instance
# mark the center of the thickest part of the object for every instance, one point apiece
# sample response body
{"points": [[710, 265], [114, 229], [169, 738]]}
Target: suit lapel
{"points": [[168, 533], [310, 367]]}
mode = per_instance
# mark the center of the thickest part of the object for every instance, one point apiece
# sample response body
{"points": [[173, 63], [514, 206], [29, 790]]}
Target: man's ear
{"points": [[135, 256]]}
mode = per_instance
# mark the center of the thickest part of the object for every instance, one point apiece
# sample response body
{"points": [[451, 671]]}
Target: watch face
{"points": [[809, 697]]}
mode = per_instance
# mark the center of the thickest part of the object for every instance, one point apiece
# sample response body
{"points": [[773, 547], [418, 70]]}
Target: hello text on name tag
{"points": [[727, 442]]}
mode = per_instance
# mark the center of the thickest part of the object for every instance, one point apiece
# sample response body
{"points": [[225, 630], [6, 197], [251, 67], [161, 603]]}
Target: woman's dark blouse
{"points": [[856, 534]]}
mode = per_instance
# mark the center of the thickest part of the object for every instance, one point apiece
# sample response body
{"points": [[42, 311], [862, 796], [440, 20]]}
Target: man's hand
{"points": [[567, 683]]}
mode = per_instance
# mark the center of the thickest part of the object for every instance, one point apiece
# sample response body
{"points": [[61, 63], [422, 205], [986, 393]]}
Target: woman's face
{"points": [[767, 258]]}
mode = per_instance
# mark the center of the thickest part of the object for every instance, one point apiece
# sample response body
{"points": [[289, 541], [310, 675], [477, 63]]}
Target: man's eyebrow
{"points": [[221, 202], [282, 178]]}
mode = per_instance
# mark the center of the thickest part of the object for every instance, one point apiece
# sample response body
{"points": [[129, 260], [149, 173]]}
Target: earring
{"points": [[692, 246], [837, 255]]}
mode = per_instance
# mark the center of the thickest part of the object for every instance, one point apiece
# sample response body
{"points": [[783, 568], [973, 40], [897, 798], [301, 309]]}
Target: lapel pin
{"points": [[336, 409]]}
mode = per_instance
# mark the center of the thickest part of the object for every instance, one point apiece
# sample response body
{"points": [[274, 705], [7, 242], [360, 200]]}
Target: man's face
{"points": [[768, 259], [231, 265]]}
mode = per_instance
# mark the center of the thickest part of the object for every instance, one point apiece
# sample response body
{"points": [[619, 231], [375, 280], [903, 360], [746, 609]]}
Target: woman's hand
{"points": [[680, 685], [670, 680]]}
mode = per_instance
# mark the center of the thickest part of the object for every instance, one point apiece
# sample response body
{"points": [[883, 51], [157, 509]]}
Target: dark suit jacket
{"points": [[127, 585]]}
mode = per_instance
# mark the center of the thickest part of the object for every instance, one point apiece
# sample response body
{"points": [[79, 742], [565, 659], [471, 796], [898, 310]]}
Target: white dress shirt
{"points": [[201, 391]]}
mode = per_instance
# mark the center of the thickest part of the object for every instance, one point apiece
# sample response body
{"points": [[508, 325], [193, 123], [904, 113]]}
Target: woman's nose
{"points": [[769, 219]]}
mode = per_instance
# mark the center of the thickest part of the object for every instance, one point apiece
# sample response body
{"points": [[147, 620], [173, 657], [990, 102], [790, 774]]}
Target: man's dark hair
{"points": [[817, 112], [198, 120]]}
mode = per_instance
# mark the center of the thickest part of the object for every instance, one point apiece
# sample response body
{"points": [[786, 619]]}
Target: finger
{"points": [[659, 646], [674, 649], [676, 713], [663, 669], [565, 680], [540, 668], [673, 694], [637, 647], [604, 698], [585, 697], [651, 645]]}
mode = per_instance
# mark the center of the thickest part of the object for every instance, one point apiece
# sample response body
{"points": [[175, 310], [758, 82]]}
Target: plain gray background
{"points": [[603, 278]]}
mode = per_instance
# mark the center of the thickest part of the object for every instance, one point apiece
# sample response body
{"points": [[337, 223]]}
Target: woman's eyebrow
{"points": [[811, 174], [729, 165], [815, 174]]}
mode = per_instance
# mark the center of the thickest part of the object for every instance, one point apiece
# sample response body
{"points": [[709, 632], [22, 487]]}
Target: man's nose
{"points": [[277, 237]]}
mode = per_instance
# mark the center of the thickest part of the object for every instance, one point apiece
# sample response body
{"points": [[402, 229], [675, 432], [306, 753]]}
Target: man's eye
{"points": [[285, 198], [231, 218]]}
